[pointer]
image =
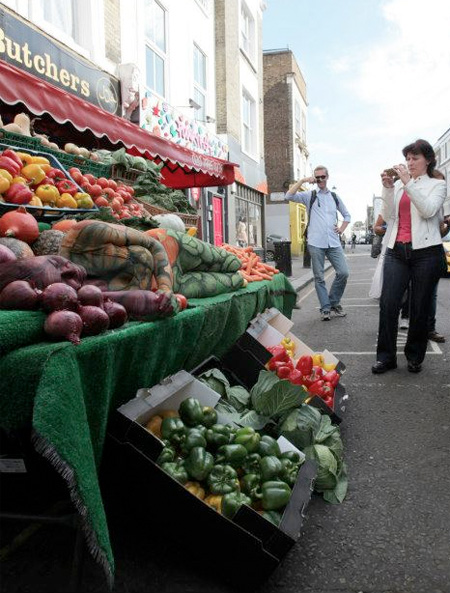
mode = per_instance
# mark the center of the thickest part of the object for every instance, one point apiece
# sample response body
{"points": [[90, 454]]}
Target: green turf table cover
{"points": [[66, 392]]}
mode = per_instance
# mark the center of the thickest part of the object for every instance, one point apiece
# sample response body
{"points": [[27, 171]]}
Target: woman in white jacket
{"points": [[414, 253]]}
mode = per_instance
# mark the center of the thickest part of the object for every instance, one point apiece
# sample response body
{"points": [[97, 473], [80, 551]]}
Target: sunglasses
{"points": [[320, 177]]}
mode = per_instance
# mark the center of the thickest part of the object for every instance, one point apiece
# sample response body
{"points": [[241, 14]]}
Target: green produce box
{"points": [[247, 548]]}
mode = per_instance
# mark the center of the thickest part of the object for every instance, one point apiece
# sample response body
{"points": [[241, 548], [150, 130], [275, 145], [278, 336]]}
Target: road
{"points": [[391, 534]]}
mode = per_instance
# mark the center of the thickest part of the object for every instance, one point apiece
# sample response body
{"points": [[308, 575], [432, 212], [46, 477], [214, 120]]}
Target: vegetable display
{"points": [[253, 269], [218, 463], [278, 408]]}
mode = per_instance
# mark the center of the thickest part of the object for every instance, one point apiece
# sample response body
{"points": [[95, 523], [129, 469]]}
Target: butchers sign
{"points": [[29, 49]]}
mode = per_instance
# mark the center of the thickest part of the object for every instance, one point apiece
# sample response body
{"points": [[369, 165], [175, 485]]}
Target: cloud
{"points": [[405, 77]]}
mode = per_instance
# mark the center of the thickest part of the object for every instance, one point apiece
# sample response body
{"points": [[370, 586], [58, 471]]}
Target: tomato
{"points": [[96, 190], [90, 178], [109, 193], [116, 205], [102, 182], [77, 177], [74, 171], [182, 300], [112, 184], [86, 186], [101, 202]]}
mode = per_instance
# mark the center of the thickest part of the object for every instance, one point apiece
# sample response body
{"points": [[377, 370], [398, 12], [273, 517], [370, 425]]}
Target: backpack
{"points": [[313, 199]]}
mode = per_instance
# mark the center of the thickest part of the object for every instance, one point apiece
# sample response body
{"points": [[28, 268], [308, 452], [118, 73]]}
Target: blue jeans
{"points": [[421, 267], [337, 259]]}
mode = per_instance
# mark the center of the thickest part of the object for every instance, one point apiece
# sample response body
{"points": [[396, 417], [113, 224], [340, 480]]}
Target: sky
{"points": [[378, 77]]}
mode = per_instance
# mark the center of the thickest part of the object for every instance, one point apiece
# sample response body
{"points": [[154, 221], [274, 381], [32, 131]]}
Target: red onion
{"points": [[95, 320], [117, 314], [6, 254], [65, 325], [144, 305], [19, 295], [59, 296], [90, 295]]}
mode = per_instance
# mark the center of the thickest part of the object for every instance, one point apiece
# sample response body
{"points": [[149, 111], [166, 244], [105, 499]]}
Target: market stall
{"points": [[94, 378]]}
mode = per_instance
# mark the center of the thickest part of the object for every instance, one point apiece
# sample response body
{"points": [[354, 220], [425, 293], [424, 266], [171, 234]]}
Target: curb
{"points": [[307, 278]]}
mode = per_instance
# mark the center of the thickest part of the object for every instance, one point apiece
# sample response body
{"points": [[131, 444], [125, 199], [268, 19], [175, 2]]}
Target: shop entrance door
{"points": [[217, 204]]}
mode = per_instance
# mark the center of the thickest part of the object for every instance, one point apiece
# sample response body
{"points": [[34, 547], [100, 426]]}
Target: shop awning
{"points": [[182, 167]]}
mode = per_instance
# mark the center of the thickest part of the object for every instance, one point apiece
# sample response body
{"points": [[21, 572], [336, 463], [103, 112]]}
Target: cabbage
{"points": [[301, 425], [327, 471], [216, 380]]}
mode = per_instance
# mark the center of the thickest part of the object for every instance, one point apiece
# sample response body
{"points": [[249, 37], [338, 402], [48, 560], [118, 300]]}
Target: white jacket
{"points": [[427, 196]]}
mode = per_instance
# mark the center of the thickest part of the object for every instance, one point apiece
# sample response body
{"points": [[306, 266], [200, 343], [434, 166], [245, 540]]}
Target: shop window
{"points": [[248, 122], [247, 32], [200, 83], [155, 50], [249, 219]]}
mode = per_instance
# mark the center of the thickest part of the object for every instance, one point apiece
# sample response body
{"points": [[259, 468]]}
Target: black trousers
{"points": [[421, 268]]}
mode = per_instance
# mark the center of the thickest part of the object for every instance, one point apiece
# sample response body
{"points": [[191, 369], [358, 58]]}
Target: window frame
{"points": [[152, 46], [247, 32], [249, 128], [200, 87]]}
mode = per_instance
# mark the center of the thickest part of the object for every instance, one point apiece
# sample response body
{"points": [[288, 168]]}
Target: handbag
{"points": [[376, 246]]}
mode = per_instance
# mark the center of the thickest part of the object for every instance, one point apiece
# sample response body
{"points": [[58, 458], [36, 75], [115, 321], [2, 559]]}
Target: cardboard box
{"points": [[249, 547], [271, 326]]}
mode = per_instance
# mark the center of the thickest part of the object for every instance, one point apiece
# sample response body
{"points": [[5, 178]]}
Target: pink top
{"points": [[404, 219]]}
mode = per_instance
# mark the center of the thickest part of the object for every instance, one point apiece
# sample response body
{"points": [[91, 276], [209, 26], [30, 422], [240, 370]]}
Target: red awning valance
{"points": [[182, 167]]}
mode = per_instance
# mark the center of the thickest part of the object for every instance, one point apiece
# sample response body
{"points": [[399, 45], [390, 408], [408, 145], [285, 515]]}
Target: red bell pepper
{"points": [[329, 400], [67, 187], [18, 193], [332, 376], [316, 388], [295, 377], [274, 365], [56, 174], [328, 389], [304, 365], [284, 371], [13, 156], [10, 165], [279, 353]]}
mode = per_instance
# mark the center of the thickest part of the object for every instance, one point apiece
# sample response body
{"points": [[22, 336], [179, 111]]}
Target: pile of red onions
{"points": [[20, 296], [58, 296], [64, 325]]}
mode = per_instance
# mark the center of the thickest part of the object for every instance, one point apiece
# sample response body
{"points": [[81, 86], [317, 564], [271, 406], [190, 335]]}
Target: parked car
{"points": [[270, 248]]}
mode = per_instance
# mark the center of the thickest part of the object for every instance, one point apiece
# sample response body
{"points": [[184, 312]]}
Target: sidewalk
{"points": [[301, 276]]}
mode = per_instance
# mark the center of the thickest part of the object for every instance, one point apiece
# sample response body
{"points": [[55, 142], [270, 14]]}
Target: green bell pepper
{"points": [[218, 435], [275, 495], [251, 463], [248, 437], [222, 479], [289, 471], [292, 456], [194, 438], [191, 411], [232, 502], [268, 446], [209, 416], [233, 455], [270, 468], [201, 429], [251, 485], [167, 455], [177, 470], [273, 516], [173, 430], [198, 463]]}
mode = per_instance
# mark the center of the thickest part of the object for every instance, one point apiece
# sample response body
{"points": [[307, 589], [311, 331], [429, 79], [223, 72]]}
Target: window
{"points": [[248, 218], [60, 14], [155, 50], [200, 83], [248, 122], [247, 32], [304, 127], [297, 117]]}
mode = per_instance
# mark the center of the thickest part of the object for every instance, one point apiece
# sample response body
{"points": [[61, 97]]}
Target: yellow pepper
{"points": [[40, 160], [26, 158], [154, 425], [5, 184], [195, 489], [214, 501], [19, 179], [6, 174], [169, 414], [33, 173], [289, 346], [35, 201], [65, 200], [329, 366], [86, 202], [192, 231], [318, 359], [47, 193]]}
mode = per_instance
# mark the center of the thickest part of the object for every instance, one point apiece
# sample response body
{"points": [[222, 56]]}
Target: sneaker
{"points": [[436, 337], [404, 323], [325, 315], [338, 311]]}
